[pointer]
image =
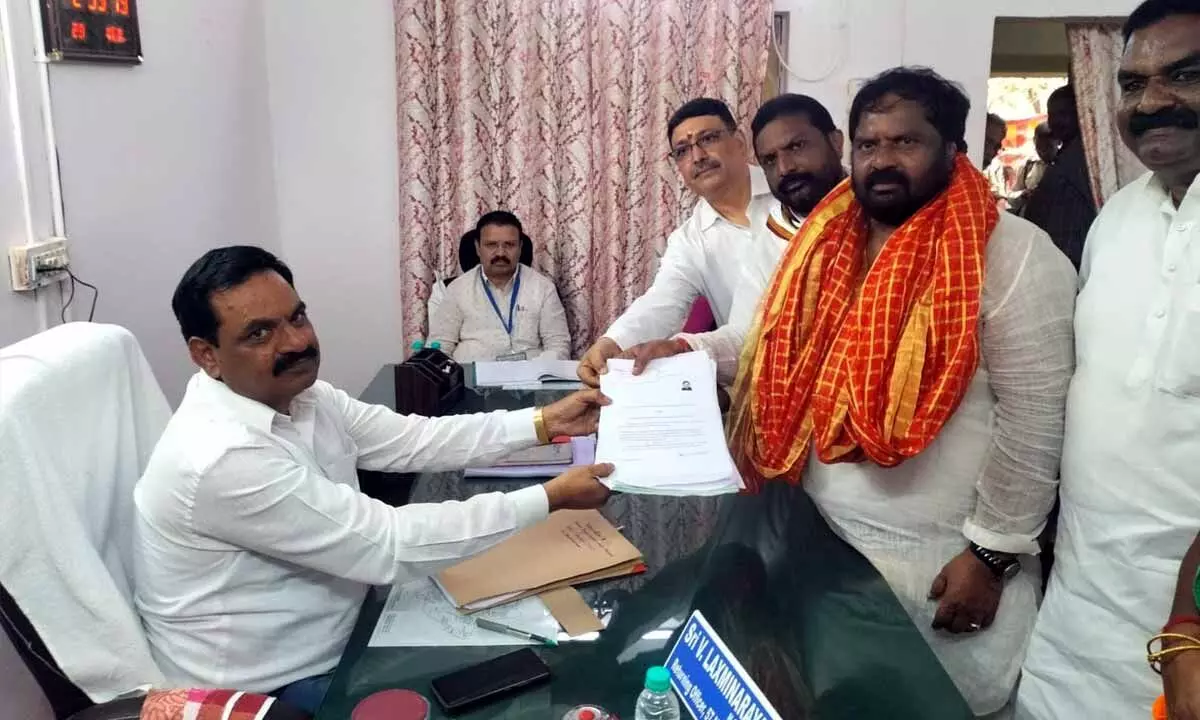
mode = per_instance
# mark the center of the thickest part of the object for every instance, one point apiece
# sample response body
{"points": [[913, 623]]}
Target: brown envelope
{"points": [[568, 548], [571, 611]]}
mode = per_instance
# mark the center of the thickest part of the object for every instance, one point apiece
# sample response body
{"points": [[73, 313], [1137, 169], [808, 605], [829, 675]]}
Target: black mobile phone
{"points": [[489, 680]]}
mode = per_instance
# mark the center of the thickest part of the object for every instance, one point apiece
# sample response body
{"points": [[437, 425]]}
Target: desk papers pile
{"points": [[663, 431], [570, 547], [583, 452]]}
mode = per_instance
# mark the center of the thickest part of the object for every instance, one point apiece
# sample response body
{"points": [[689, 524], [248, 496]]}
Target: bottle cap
{"points": [[658, 679], [435, 345], [417, 345]]}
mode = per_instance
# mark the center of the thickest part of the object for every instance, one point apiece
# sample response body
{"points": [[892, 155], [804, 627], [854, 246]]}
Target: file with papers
{"points": [[568, 548], [663, 431]]}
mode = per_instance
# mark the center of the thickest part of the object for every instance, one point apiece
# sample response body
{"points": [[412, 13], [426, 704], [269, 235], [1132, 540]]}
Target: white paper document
{"points": [[526, 373], [663, 430], [417, 614]]}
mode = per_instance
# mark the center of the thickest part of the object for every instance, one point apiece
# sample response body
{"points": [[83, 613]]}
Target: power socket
{"points": [[38, 264]]}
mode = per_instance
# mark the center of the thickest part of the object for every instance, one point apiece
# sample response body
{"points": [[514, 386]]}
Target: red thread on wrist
{"points": [[1181, 620]]}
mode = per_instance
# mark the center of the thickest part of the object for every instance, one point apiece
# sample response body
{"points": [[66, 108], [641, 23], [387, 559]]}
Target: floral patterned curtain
{"points": [[556, 110], [1096, 50]]}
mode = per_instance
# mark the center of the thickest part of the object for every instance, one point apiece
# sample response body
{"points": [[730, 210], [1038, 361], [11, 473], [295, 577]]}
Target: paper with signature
{"points": [[663, 430], [417, 614]]}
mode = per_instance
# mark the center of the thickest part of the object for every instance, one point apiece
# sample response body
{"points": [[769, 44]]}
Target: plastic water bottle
{"points": [[657, 702]]}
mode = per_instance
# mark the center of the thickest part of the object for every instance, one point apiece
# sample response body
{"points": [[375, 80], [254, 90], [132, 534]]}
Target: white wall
{"points": [[22, 178], [332, 70], [163, 161], [832, 43]]}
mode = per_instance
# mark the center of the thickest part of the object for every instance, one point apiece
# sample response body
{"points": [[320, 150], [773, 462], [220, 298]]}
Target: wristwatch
{"points": [[1003, 565]]}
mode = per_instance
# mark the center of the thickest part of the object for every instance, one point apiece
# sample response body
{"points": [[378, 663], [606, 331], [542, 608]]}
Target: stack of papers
{"points": [[663, 430], [582, 452], [417, 615], [570, 547], [521, 374]]}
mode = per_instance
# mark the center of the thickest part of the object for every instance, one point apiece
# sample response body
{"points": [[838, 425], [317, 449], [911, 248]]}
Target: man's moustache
{"points": [[705, 166], [1178, 117], [879, 177], [792, 182], [287, 361]]}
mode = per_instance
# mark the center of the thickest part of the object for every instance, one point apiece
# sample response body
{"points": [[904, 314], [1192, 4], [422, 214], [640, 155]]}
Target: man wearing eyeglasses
{"points": [[704, 254]]}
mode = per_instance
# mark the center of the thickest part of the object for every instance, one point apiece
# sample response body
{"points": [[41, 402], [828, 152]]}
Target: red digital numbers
{"points": [[78, 31], [115, 35], [98, 6], [122, 7], [76, 4]]}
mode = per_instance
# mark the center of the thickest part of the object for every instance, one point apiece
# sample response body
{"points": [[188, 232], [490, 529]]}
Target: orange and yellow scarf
{"points": [[866, 370]]}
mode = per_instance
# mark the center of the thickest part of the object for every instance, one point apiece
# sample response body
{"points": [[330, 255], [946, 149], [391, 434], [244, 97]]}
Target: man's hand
{"points": [[595, 361], [1181, 678], [969, 593], [642, 355], [576, 414], [579, 488]]}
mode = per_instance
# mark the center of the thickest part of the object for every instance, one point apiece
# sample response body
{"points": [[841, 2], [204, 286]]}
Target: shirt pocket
{"points": [[1179, 367], [526, 332]]}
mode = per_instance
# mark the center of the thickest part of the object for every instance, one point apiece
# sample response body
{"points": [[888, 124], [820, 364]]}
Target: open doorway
{"points": [[1030, 60]]}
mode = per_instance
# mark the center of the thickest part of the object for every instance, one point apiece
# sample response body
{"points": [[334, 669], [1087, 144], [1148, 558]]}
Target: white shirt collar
{"points": [[708, 216], [217, 394], [505, 286], [1156, 190]]}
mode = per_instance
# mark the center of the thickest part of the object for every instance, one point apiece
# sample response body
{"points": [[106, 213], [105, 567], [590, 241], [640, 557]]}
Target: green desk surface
{"points": [[809, 618]]}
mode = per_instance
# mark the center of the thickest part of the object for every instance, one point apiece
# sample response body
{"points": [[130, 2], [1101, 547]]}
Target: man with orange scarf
{"points": [[909, 365]]}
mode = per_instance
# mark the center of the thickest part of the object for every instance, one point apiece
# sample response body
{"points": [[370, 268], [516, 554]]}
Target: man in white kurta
{"points": [[704, 255], [1130, 496], [254, 546], [799, 149]]}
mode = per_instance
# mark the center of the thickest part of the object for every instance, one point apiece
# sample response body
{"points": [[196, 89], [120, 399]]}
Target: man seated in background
{"points": [[501, 310], [1063, 204], [800, 151], [704, 255], [910, 365], [255, 547]]}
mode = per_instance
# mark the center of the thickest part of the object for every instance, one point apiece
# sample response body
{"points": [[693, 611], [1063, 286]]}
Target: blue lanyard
{"points": [[512, 301]]}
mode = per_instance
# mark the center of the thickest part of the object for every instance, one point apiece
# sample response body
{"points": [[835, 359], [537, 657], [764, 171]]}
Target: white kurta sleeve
{"points": [[391, 442], [552, 327], [1027, 344], [662, 310], [260, 498]]}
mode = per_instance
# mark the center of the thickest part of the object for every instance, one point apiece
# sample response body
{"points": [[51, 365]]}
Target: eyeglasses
{"points": [[705, 141]]}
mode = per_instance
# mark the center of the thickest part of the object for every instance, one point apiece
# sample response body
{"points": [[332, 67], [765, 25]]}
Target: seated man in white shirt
{"points": [[501, 310], [255, 547], [800, 150], [704, 255]]}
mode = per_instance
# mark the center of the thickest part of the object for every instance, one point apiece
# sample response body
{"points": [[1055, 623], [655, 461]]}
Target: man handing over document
{"points": [[663, 429]]}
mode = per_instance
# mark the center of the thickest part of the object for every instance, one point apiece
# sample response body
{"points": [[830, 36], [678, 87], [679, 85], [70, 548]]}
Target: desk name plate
{"points": [[710, 681]]}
